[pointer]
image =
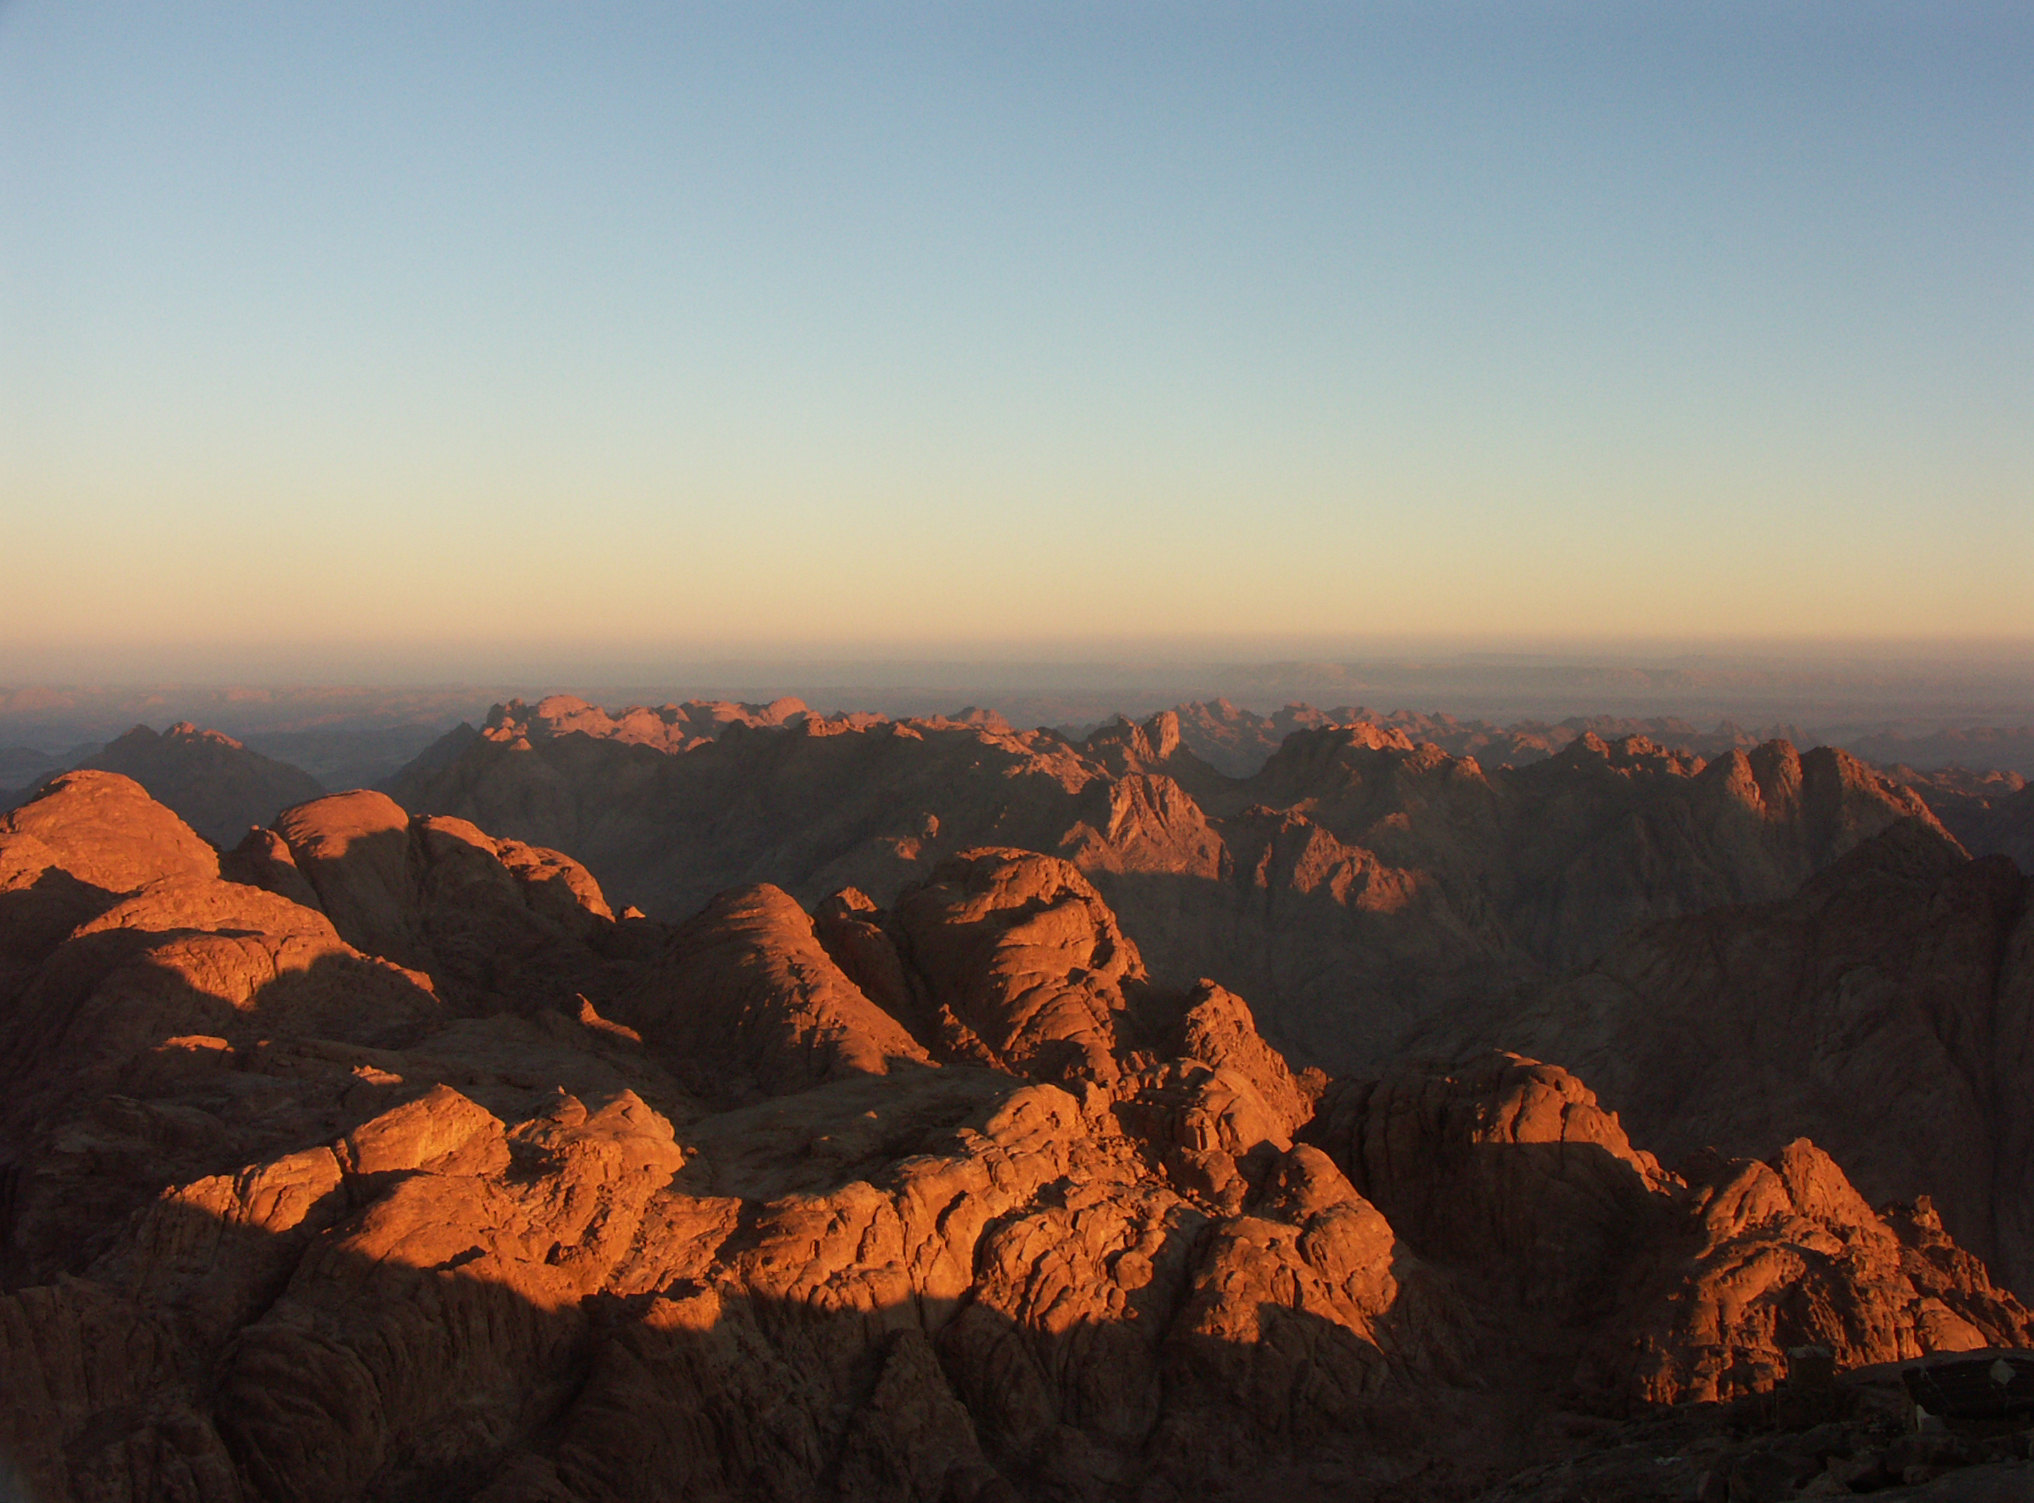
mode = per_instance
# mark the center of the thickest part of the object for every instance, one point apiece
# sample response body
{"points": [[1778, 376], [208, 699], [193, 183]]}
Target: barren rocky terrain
{"points": [[1357, 887], [931, 1109], [1990, 813], [377, 1158]]}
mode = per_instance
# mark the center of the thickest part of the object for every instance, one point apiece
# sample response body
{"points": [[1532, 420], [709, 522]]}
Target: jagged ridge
{"points": [[948, 1198]]}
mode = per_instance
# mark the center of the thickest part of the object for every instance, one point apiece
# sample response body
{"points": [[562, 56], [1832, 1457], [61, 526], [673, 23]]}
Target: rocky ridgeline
{"points": [[1357, 887], [1376, 897], [1238, 741], [217, 785], [378, 1159]]}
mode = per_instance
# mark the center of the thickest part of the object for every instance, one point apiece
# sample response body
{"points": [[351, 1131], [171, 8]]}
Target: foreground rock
{"points": [[944, 1200]]}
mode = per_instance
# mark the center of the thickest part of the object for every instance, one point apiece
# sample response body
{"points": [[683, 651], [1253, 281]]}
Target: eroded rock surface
{"points": [[1362, 882], [218, 786], [944, 1200], [1886, 1011]]}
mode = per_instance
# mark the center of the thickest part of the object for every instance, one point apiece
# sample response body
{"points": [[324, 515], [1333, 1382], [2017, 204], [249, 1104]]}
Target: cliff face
{"points": [[377, 1159], [1357, 887]]}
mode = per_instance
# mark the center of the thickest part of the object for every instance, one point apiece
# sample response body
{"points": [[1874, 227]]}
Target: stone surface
{"points": [[220, 787], [948, 1200], [1363, 882]]}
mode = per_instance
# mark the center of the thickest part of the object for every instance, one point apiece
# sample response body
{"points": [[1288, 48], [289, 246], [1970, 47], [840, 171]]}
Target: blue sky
{"points": [[688, 330]]}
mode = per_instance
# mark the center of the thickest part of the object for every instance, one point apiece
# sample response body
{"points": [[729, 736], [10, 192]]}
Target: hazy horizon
{"points": [[1036, 663], [1830, 692], [365, 340], [377, 340]]}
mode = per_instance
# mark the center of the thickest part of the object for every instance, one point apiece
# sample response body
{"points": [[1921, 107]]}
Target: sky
{"points": [[341, 337]]}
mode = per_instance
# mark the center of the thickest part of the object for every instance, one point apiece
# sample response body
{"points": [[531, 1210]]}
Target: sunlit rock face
{"points": [[379, 1160]]}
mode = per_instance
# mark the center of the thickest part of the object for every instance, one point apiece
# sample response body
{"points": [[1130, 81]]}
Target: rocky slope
{"points": [[377, 1159], [216, 784], [1886, 1010], [1358, 886], [1990, 813]]}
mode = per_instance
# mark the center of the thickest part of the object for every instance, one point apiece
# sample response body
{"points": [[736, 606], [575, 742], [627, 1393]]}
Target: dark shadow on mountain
{"points": [[1334, 983], [34, 919]]}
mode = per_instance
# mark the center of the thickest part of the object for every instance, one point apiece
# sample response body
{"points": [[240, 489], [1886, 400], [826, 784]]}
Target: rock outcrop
{"points": [[949, 1199], [1360, 885], [1886, 1011], [485, 916], [218, 786], [746, 992]]}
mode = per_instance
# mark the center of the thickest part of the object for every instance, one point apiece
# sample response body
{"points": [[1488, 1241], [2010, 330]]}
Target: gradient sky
{"points": [[341, 332]]}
